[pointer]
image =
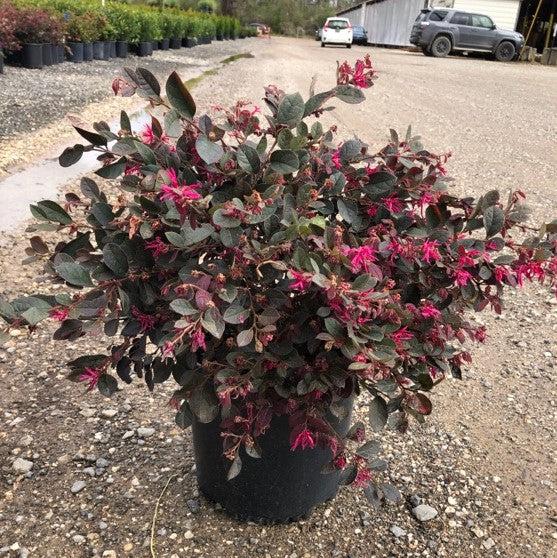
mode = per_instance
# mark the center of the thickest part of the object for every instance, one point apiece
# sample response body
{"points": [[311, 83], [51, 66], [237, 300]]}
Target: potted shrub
{"points": [[8, 24], [33, 31], [144, 46], [81, 31], [127, 27], [176, 30], [168, 22], [102, 31], [276, 274]]}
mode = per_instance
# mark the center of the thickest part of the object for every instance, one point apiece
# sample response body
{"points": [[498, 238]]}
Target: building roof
{"points": [[359, 4]]}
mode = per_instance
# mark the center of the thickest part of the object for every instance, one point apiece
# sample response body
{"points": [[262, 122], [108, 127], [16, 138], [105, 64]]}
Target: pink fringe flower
{"points": [[303, 440], [301, 282], [429, 311], [91, 376], [430, 251], [157, 247], [59, 314]]}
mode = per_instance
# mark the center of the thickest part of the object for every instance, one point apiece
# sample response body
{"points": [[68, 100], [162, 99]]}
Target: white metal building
{"points": [[388, 22]]}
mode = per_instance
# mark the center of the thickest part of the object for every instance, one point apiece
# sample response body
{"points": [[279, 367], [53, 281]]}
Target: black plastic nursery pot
{"points": [[87, 52], [107, 50], [155, 45], [281, 486], [76, 50], [191, 42], [144, 48], [164, 44], [1, 62], [98, 50], [121, 49], [31, 56], [220, 38], [175, 42], [59, 50], [48, 54]]}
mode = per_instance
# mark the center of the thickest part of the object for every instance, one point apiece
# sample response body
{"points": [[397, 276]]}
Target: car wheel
{"points": [[441, 47], [426, 51], [322, 44], [505, 52], [348, 46]]}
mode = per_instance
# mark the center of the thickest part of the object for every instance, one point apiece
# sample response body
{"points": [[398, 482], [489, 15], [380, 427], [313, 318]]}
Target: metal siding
{"points": [[389, 22], [503, 12]]}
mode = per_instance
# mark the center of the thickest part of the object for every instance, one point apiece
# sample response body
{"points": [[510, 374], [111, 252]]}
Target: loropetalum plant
{"points": [[270, 270]]}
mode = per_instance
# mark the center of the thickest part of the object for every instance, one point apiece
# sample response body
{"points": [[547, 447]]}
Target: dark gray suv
{"points": [[440, 32]]}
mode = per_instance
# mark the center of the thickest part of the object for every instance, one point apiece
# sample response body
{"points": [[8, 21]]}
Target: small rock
{"points": [[128, 547], [144, 432], [423, 512], [398, 531], [415, 500], [78, 486], [102, 525], [488, 543], [102, 463], [25, 440], [193, 505], [78, 539], [188, 535], [109, 413], [21, 465], [128, 434], [109, 554]]}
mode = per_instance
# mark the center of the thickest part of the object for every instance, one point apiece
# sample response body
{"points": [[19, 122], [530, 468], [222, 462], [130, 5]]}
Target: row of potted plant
{"points": [[92, 31]]}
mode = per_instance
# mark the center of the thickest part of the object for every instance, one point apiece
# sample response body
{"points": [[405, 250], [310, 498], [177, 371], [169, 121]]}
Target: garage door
{"points": [[503, 12]]}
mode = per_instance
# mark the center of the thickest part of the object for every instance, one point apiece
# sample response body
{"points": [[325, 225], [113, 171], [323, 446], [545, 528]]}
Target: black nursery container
{"points": [[75, 53], [191, 42], [1, 62], [31, 56], [109, 49], [175, 42], [279, 487], [87, 52], [48, 54], [121, 49], [144, 48], [155, 45], [59, 51], [98, 50], [164, 44]]}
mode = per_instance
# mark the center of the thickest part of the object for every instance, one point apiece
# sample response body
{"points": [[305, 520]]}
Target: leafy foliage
{"points": [[268, 270]]}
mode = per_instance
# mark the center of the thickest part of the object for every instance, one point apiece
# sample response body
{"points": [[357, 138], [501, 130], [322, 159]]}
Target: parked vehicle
{"points": [[337, 31], [318, 34], [359, 35], [440, 32]]}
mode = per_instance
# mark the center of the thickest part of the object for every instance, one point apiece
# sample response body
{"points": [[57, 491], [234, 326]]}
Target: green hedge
{"points": [[88, 20]]}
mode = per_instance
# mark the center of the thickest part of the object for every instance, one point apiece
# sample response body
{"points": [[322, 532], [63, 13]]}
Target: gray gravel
{"points": [[29, 99]]}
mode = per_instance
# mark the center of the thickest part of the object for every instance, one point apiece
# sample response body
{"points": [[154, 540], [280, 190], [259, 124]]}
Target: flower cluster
{"points": [[275, 272], [361, 75]]}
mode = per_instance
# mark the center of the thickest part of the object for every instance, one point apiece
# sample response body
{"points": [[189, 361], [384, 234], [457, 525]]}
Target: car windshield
{"points": [[338, 24]]}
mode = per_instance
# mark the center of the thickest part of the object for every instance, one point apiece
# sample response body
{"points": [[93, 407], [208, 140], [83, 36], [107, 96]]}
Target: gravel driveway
{"points": [[485, 461]]}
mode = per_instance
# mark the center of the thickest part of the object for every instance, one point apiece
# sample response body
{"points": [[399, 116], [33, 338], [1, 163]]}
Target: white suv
{"points": [[337, 31]]}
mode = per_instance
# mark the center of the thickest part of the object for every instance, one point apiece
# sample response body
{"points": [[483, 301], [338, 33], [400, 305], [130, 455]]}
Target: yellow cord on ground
{"points": [[154, 522]]}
